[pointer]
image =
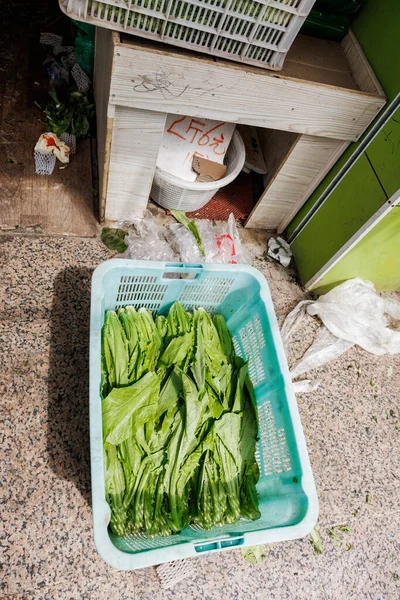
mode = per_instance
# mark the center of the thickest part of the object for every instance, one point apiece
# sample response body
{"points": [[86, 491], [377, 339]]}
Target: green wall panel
{"points": [[376, 257], [321, 188], [377, 27], [384, 154], [350, 205]]}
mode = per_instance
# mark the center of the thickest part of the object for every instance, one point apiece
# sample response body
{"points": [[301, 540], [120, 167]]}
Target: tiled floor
{"points": [[351, 424]]}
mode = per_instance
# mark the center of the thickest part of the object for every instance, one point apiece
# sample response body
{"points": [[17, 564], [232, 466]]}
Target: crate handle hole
{"points": [[181, 271], [219, 544]]}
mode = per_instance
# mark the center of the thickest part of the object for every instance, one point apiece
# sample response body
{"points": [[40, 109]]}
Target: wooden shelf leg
{"points": [[296, 165], [136, 136]]}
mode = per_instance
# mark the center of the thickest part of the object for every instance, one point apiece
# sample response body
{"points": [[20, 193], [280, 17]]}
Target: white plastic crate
{"points": [[258, 32]]}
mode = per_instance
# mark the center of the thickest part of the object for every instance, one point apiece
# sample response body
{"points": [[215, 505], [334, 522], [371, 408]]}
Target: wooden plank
{"points": [[154, 80], [135, 141], [330, 152], [276, 147], [314, 59], [104, 50], [310, 59], [296, 175], [360, 67]]}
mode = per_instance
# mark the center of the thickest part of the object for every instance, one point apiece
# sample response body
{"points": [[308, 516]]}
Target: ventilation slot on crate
{"points": [[208, 294], [246, 8], [272, 452], [252, 341], [140, 291]]}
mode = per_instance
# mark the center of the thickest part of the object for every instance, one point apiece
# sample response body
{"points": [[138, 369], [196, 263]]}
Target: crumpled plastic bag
{"points": [[147, 240], [150, 240], [352, 313], [280, 250], [326, 347], [221, 243]]}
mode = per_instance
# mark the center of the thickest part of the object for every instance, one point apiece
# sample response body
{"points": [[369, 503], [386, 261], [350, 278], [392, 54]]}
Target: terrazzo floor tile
{"points": [[353, 436], [351, 426], [371, 569], [289, 572]]}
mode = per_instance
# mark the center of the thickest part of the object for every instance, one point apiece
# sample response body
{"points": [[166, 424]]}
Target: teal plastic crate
{"points": [[287, 494]]}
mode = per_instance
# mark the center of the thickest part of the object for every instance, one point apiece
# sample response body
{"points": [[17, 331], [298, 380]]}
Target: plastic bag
{"points": [[146, 241], [352, 313], [280, 250], [326, 347], [221, 243]]}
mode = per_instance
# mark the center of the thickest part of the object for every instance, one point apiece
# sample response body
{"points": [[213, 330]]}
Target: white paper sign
{"points": [[185, 137]]}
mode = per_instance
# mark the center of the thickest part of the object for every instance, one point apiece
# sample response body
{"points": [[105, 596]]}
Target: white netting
{"points": [[50, 39], [81, 79], [44, 163], [59, 48], [173, 572], [70, 140]]}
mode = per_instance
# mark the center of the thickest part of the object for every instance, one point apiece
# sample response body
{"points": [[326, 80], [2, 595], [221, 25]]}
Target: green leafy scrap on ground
{"points": [[191, 226], [255, 554], [339, 541], [114, 239], [315, 540], [179, 423]]}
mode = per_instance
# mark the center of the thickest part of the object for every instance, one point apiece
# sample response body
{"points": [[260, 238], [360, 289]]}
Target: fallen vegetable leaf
{"points": [[316, 541], [181, 217], [338, 540], [114, 239], [255, 554]]}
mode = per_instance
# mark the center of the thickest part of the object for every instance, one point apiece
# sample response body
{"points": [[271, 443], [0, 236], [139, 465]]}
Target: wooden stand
{"points": [[325, 97]]}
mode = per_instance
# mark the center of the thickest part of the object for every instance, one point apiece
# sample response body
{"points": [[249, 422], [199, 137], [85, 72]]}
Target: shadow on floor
{"points": [[68, 384]]}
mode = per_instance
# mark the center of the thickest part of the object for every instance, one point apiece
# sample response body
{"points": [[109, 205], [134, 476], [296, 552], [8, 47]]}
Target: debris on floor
{"points": [[255, 554], [187, 240], [336, 532], [315, 540], [175, 571], [70, 113], [351, 313], [280, 250], [47, 149]]}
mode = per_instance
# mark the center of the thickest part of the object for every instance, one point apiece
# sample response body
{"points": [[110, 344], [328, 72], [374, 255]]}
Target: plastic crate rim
{"points": [[101, 510]]}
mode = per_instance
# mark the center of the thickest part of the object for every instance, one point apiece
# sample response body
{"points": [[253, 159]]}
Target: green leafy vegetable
{"points": [[181, 217], [74, 113], [179, 423], [335, 533], [127, 409], [315, 540], [255, 554], [114, 239]]}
